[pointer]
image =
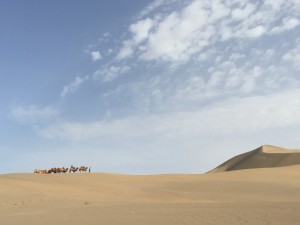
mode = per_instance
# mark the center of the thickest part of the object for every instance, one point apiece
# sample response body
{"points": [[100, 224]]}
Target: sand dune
{"points": [[254, 196], [266, 156]]}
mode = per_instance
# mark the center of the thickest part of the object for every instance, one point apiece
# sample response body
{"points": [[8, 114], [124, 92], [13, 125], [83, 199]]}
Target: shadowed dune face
{"points": [[266, 156]]}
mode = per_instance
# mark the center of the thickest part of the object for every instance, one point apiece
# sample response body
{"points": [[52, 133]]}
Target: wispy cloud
{"points": [[162, 5], [193, 52], [238, 115], [293, 56], [186, 31], [288, 23], [73, 86], [34, 114], [110, 72]]}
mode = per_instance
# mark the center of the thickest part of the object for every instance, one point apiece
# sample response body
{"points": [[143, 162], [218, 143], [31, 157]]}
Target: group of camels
{"points": [[72, 169]]}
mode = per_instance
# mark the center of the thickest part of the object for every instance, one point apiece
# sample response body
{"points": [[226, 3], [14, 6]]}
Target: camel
{"points": [[54, 170], [83, 169], [73, 169], [40, 171], [62, 170], [58, 170]]}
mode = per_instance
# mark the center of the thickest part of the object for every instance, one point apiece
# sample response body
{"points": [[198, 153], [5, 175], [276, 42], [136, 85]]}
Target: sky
{"points": [[146, 87]]}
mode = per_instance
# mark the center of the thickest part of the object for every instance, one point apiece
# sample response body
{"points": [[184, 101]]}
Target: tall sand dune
{"points": [[266, 156], [256, 196]]}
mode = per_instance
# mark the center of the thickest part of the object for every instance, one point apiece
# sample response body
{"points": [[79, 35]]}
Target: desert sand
{"points": [[258, 187], [266, 156]]}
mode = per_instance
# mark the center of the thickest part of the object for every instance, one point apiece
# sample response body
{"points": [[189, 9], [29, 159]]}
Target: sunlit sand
{"points": [[258, 187]]}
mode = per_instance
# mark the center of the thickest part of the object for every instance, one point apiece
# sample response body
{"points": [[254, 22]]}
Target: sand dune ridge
{"points": [[266, 156]]}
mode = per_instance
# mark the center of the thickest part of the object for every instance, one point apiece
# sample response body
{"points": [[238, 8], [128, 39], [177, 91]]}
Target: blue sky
{"points": [[145, 87]]}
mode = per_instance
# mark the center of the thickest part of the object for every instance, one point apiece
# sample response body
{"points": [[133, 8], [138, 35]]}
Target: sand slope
{"points": [[256, 196], [266, 156]]}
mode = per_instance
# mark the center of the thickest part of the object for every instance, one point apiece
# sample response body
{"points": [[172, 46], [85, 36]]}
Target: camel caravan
{"points": [[72, 169]]}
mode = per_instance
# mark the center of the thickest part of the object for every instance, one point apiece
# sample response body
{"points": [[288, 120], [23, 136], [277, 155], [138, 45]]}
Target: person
{"points": [[89, 169]]}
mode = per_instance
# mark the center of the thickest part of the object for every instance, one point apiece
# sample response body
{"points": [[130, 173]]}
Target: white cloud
{"points": [[256, 31], [287, 24], [151, 7], [140, 30], [295, 61], [126, 50], [73, 86], [176, 36], [111, 72], [225, 71], [236, 115], [180, 34], [243, 13], [33, 114], [293, 56], [96, 56], [234, 75], [159, 4]]}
